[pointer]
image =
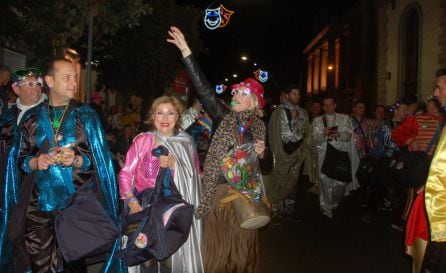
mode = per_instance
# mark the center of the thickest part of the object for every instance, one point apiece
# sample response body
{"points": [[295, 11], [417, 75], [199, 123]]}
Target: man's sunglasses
{"points": [[31, 84]]}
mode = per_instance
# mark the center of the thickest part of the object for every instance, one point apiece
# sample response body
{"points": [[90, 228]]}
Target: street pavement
{"points": [[343, 244]]}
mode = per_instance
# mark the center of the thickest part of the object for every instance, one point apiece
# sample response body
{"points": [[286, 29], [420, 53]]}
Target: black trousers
{"points": [[379, 183], [41, 243], [434, 258]]}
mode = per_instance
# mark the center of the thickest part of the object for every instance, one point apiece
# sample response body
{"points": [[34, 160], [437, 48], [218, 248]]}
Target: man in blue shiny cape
{"points": [[27, 83], [64, 146]]}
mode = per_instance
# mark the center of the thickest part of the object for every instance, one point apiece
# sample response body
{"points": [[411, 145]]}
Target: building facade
{"points": [[341, 58], [411, 46], [378, 51]]}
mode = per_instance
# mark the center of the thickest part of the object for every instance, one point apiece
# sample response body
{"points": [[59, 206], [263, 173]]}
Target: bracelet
{"points": [[131, 200]]}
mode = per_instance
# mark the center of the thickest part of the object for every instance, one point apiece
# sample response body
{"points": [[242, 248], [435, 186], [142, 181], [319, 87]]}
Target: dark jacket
{"points": [[215, 108], [206, 94]]}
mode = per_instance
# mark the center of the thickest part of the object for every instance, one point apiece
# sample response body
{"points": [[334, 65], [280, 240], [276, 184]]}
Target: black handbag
{"points": [[365, 170], [337, 164], [410, 168], [84, 228], [161, 227]]}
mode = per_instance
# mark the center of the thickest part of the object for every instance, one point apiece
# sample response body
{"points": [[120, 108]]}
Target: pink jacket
{"points": [[140, 164]]}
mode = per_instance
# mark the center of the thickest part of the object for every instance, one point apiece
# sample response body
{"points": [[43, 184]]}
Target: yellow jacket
{"points": [[435, 192]]}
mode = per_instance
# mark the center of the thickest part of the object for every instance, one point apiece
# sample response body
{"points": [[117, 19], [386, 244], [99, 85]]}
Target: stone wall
{"points": [[442, 37], [432, 52], [381, 53]]}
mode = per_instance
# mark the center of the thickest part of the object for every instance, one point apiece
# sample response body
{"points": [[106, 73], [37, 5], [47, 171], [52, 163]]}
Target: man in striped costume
{"points": [[417, 131]]}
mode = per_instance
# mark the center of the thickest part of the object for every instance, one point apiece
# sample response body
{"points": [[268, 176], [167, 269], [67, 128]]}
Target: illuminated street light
{"points": [[244, 58], [255, 64], [226, 79], [330, 67], [234, 75]]}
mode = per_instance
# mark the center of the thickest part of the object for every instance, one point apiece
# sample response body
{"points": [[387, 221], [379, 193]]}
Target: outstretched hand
{"points": [[177, 38]]}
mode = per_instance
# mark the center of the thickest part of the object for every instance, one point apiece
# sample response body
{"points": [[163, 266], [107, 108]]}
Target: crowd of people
{"points": [[53, 146]]}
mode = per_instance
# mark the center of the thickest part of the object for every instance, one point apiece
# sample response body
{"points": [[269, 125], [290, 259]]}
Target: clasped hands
{"points": [[331, 132], [167, 161], [64, 156]]}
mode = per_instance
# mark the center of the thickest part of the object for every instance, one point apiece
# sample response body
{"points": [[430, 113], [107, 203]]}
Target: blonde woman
{"points": [[142, 167], [226, 246]]}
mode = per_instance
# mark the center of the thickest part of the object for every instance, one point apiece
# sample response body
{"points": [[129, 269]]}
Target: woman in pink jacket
{"points": [[141, 169]]}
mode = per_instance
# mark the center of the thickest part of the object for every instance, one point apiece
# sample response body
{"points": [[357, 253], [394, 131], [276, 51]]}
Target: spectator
{"points": [[337, 129], [5, 76], [361, 129], [382, 151], [288, 134], [315, 110]]}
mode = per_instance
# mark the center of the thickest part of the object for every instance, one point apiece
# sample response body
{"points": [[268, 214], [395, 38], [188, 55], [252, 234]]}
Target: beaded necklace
{"points": [[56, 123]]}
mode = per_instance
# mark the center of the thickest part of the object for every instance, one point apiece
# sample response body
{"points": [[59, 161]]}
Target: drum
{"points": [[251, 215]]}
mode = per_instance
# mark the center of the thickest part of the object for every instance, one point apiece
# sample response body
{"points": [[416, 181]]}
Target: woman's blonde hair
{"points": [[255, 106], [176, 103]]}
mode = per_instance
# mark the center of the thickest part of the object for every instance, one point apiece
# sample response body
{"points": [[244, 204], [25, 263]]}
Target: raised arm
{"points": [[213, 106]]}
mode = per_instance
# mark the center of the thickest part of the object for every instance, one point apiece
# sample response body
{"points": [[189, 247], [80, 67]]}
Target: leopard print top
{"points": [[223, 140]]}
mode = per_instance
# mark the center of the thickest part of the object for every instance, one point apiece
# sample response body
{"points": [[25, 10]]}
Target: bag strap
{"points": [[362, 132], [434, 138], [288, 116]]}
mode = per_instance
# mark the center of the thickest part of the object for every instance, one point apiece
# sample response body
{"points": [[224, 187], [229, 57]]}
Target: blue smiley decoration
{"points": [[261, 75], [218, 17], [220, 88]]}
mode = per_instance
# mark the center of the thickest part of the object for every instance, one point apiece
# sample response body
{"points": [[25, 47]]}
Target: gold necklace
{"points": [[56, 124]]}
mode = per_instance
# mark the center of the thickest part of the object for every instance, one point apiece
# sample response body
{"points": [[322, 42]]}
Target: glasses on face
{"points": [[242, 92], [31, 84], [168, 114]]}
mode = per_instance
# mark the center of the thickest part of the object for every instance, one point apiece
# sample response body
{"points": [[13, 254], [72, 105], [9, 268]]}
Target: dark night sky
{"points": [[272, 33]]}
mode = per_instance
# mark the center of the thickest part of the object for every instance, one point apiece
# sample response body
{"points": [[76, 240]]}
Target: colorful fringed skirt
{"points": [[226, 246]]}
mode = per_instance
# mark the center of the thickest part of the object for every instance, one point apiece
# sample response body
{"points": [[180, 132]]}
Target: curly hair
{"points": [[174, 101]]}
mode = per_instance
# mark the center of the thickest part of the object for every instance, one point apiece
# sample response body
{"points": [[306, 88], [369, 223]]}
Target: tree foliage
{"points": [[43, 26], [139, 60], [129, 37]]}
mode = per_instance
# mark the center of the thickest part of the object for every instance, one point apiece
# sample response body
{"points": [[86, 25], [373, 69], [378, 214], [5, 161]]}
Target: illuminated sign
{"points": [[220, 88], [218, 17], [260, 75]]}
